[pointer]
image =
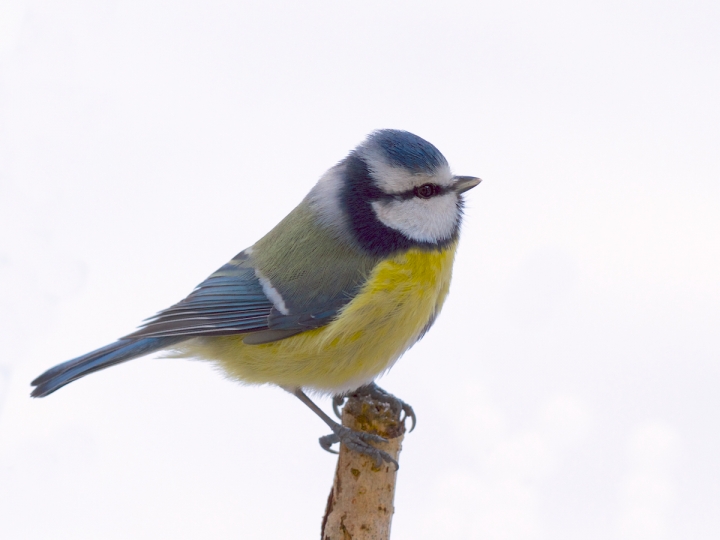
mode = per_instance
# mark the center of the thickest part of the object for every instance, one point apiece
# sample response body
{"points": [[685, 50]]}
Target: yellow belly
{"points": [[386, 317]]}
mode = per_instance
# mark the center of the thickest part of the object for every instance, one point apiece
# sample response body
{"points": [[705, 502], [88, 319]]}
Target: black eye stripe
{"points": [[426, 191], [431, 190], [359, 191]]}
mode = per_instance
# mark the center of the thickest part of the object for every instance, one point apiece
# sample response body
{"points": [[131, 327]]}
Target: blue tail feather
{"points": [[115, 353]]}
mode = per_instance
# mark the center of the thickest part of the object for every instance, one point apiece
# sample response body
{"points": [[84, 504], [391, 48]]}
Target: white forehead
{"points": [[394, 179]]}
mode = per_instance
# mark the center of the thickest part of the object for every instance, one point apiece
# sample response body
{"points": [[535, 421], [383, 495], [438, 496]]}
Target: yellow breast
{"points": [[401, 296]]}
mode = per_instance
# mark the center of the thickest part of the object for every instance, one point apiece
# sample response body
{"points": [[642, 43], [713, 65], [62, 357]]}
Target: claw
{"points": [[326, 442], [375, 392], [337, 403], [409, 413], [358, 441]]}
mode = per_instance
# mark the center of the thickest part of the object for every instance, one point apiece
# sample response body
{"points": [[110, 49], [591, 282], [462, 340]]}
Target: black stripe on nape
{"points": [[359, 191]]}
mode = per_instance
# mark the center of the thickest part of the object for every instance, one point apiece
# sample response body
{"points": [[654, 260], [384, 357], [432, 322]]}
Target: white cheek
{"points": [[423, 220]]}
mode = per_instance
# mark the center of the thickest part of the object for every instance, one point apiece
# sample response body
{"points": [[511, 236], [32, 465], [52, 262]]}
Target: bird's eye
{"points": [[427, 190]]}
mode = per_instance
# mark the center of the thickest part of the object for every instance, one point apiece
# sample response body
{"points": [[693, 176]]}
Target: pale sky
{"points": [[570, 387]]}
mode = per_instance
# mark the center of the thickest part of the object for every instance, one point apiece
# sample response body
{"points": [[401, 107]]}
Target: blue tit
{"points": [[331, 297]]}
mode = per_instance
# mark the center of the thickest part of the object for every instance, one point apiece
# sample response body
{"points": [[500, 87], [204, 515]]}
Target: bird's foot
{"points": [[358, 441], [373, 391]]}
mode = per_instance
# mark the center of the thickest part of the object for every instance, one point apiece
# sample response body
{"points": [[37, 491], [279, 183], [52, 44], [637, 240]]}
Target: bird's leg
{"points": [[373, 391], [359, 441]]}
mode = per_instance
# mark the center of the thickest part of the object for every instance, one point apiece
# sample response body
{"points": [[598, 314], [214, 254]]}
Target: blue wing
{"points": [[232, 301]]}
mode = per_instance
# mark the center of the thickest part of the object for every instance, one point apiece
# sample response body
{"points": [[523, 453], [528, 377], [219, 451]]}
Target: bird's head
{"points": [[393, 192]]}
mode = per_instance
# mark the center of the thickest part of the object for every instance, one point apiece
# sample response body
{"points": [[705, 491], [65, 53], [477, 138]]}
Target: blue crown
{"points": [[403, 149]]}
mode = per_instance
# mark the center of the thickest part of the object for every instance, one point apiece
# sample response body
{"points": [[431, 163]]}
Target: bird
{"points": [[331, 297]]}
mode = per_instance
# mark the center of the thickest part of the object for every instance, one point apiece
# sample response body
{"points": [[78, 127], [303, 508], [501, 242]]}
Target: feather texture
{"points": [[300, 262], [391, 311], [334, 294], [104, 357]]}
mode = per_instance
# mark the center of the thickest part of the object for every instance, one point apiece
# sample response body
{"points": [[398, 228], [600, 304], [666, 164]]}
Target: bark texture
{"points": [[360, 506]]}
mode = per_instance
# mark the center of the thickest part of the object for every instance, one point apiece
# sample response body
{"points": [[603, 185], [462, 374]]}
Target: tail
{"points": [[115, 353]]}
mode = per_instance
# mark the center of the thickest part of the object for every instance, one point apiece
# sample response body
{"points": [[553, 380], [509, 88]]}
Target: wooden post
{"points": [[360, 505]]}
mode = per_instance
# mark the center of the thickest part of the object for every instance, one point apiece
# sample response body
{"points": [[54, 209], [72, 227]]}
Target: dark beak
{"points": [[464, 183]]}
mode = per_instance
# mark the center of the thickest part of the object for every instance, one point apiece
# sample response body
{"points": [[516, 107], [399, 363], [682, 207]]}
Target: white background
{"points": [[570, 387]]}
